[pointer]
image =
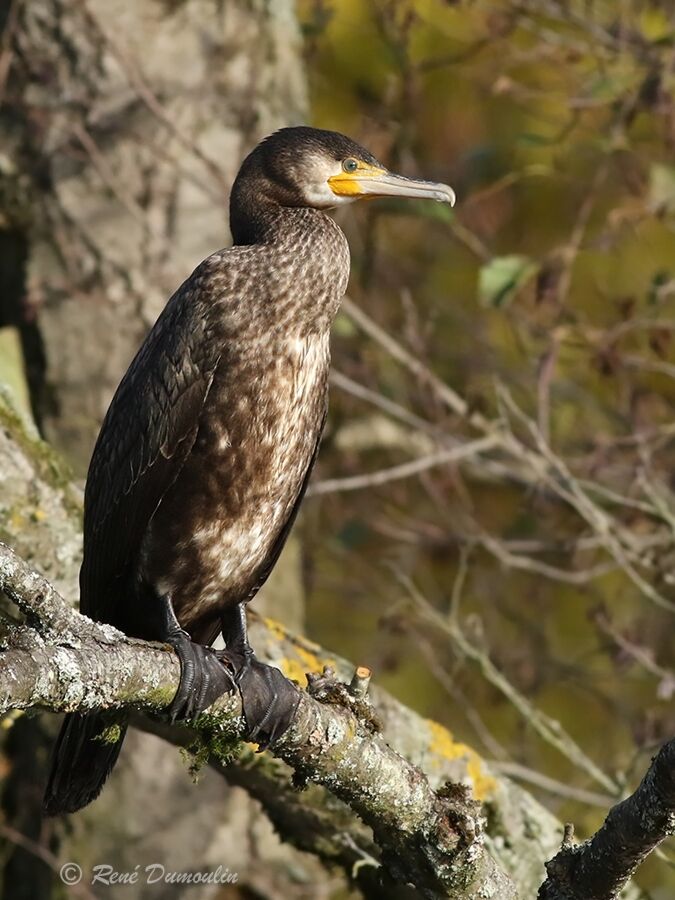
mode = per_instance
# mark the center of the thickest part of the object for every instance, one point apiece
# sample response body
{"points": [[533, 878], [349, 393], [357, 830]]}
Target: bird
{"points": [[207, 447]]}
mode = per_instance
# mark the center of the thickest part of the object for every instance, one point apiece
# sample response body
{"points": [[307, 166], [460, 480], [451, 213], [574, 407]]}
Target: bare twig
{"points": [[527, 564], [395, 410], [551, 785], [450, 397], [101, 165], [641, 655], [547, 728], [405, 470]]}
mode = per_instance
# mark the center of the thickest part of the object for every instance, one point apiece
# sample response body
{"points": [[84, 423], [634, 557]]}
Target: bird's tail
{"points": [[85, 752]]}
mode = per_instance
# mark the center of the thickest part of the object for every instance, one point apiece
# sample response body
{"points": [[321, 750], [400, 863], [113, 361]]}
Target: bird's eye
{"points": [[350, 165]]}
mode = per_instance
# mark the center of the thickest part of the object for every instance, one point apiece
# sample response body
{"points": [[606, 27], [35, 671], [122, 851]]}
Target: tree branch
{"points": [[62, 661], [311, 819], [599, 868]]}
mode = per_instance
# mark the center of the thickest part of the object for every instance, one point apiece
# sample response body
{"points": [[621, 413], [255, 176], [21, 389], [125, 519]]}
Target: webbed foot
{"points": [[203, 677], [269, 701]]}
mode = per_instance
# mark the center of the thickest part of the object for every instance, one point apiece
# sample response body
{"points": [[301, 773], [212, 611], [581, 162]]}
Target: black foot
{"points": [[269, 701], [203, 677]]}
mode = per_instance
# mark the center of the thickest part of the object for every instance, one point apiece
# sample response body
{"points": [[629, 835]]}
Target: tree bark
{"points": [[126, 123]]}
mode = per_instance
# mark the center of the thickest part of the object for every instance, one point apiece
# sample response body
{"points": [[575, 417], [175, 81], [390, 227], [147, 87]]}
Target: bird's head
{"points": [[310, 167]]}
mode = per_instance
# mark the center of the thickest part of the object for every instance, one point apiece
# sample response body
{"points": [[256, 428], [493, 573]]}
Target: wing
{"points": [[145, 438]]}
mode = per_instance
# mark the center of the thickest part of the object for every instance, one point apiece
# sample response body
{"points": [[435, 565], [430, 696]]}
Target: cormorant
{"points": [[207, 447]]}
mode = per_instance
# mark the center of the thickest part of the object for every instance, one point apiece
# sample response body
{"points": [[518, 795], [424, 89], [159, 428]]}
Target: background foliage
{"points": [[546, 300]]}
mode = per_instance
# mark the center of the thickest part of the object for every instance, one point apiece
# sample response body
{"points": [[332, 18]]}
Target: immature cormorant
{"points": [[206, 450]]}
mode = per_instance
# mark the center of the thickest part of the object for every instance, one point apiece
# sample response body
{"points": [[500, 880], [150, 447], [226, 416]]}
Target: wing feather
{"points": [[145, 438]]}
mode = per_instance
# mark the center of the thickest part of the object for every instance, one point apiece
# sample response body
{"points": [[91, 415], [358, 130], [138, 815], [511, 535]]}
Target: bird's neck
{"points": [[305, 249], [255, 219]]}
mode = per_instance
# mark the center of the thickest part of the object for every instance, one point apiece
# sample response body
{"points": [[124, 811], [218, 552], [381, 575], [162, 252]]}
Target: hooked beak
{"points": [[372, 182]]}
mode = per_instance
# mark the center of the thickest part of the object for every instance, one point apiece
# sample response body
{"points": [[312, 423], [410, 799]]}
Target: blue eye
{"points": [[350, 165]]}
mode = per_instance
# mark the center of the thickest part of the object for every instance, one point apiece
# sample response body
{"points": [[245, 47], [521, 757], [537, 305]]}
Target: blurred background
{"points": [[491, 524]]}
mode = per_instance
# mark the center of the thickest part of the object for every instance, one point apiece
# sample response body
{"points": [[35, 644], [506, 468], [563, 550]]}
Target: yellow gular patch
{"points": [[348, 184]]}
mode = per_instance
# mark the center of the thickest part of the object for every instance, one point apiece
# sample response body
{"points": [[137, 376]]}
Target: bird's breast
{"points": [[216, 527]]}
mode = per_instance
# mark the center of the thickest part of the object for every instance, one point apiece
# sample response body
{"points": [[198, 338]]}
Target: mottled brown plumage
{"points": [[206, 450], [209, 439]]}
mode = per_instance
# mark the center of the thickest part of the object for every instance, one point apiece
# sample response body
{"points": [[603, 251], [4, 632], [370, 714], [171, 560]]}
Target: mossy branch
{"points": [[61, 661]]}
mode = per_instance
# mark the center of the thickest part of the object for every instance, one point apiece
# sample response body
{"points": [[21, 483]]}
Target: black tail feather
{"points": [[85, 752]]}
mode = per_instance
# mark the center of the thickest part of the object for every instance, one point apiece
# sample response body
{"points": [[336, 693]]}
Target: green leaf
{"points": [[442, 212], [610, 86], [501, 278]]}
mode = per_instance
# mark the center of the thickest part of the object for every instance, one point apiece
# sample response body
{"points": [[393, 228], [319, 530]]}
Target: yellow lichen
{"points": [[293, 669], [305, 657], [280, 631], [443, 744], [275, 627], [17, 520], [296, 669]]}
